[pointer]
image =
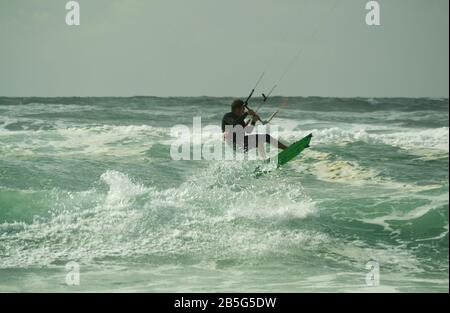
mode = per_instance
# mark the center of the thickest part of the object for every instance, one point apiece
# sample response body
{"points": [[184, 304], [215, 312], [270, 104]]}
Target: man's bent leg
{"points": [[274, 142], [254, 141]]}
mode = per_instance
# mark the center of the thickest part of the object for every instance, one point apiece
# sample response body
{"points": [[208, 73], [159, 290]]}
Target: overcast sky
{"points": [[219, 48]]}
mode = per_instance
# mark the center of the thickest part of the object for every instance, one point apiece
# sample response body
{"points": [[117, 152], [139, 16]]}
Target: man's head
{"points": [[237, 107]]}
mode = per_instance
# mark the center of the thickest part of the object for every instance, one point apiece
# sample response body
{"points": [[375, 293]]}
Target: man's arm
{"points": [[241, 119], [249, 126]]}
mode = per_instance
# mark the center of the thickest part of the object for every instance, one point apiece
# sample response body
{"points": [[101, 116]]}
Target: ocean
{"points": [[91, 182]]}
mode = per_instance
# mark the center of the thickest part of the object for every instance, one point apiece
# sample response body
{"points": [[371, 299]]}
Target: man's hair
{"points": [[237, 104]]}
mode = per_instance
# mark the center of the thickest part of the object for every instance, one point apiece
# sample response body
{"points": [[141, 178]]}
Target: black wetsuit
{"points": [[248, 141], [232, 119]]}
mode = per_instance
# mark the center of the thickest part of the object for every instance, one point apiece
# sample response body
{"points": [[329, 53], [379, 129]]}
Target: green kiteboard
{"points": [[293, 150], [286, 155]]}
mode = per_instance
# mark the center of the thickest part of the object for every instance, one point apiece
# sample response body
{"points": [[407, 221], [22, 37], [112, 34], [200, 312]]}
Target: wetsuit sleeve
{"points": [[241, 119]]}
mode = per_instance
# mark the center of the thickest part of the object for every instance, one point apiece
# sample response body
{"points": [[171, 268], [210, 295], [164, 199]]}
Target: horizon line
{"points": [[204, 96]]}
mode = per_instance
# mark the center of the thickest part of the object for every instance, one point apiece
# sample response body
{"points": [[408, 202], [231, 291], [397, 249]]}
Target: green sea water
{"points": [[91, 181]]}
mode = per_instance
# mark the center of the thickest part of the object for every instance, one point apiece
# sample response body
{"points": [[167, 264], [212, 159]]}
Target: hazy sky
{"points": [[219, 48]]}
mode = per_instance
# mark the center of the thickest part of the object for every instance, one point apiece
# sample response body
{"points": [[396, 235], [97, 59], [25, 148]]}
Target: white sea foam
{"points": [[199, 216], [89, 140], [410, 139]]}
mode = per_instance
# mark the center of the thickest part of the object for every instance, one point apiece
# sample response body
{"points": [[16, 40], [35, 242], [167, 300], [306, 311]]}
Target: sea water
{"points": [[91, 181]]}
